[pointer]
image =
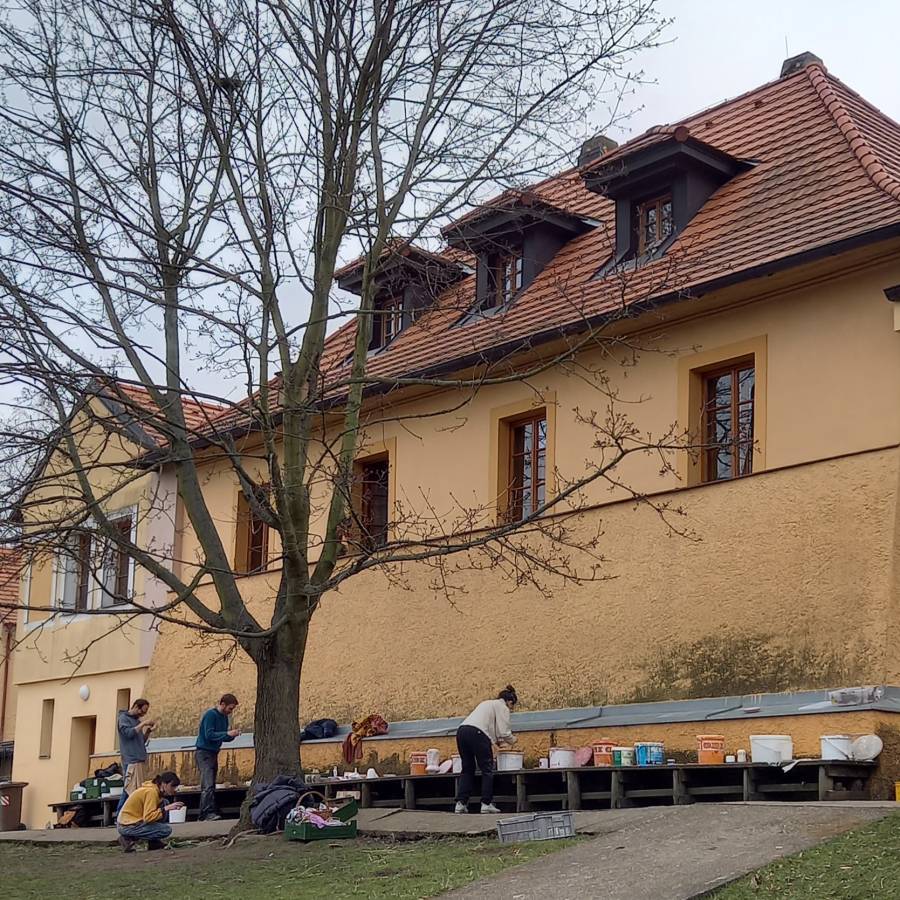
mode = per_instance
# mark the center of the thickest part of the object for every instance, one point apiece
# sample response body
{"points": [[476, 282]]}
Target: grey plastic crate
{"points": [[536, 827]]}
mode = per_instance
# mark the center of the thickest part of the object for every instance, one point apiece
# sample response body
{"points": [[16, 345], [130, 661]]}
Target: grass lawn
{"points": [[860, 865], [259, 868]]}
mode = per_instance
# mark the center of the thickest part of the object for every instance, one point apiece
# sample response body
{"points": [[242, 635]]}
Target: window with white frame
{"points": [[91, 571], [73, 574], [117, 565]]}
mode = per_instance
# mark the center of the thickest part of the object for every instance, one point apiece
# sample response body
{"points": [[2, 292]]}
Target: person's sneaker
{"points": [[460, 808], [490, 808], [212, 817], [125, 844], [156, 845]]}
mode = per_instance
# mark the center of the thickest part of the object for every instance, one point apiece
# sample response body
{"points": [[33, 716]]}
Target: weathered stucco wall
{"points": [[50, 779], [785, 585]]}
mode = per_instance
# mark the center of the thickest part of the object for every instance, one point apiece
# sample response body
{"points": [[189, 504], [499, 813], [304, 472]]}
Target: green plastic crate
{"points": [[303, 831], [93, 792]]}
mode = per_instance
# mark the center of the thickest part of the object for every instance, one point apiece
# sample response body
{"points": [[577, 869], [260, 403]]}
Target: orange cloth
{"points": [[370, 726]]}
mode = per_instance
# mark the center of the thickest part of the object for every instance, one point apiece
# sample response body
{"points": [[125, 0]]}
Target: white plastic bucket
{"points": [[509, 760], [178, 816], [562, 757], [457, 763], [837, 746], [771, 748]]}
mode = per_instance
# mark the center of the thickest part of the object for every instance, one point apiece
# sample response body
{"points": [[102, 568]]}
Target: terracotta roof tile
{"points": [[825, 168]]}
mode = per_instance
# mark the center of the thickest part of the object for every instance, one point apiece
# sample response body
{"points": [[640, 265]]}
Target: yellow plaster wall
{"points": [[793, 564], [48, 779]]}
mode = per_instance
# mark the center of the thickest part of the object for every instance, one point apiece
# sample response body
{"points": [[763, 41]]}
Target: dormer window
{"points": [[388, 322], [654, 222], [505, 279], [658, 182]]}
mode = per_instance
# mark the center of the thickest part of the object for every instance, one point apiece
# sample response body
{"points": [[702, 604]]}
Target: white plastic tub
{"points": [[510, 760], [771, 748], [178, 816], [562, 757], [457, 763], [836, 746]]}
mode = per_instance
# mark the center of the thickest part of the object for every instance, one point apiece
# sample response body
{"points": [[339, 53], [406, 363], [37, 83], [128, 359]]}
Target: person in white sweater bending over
{"points": [[488, 724]]}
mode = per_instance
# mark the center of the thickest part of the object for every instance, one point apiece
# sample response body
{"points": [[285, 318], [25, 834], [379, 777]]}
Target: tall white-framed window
{"points": [[117, 566], [72, 584], [91, 572]]}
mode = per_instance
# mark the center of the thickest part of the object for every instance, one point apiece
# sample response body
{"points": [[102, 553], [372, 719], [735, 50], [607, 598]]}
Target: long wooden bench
{"points": [[576, 788]]}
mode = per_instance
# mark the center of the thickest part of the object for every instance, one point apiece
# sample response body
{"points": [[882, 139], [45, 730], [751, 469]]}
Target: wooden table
{"points": [[614, 787], [102, 811]]}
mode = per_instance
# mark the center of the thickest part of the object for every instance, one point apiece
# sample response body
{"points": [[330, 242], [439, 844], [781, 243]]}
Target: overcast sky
{"points": [[722, 48]]}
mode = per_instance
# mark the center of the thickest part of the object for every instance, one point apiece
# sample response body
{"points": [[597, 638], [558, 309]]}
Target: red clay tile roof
{"points": [[198, 414], [826, 169]]}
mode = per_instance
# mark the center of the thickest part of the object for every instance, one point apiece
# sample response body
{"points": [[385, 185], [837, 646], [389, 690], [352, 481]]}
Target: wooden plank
{"points": [[365, 796], [792, 788], [596, 795], [546, 798], [619, 800], [409, 793], [680, 793], [845, 795], [826, 782], [708, 790], [648, 792], [522, 804], [573, 791]]}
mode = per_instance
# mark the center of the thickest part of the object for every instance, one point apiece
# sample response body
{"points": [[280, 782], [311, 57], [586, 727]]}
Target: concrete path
{"points": [[674, 853]]}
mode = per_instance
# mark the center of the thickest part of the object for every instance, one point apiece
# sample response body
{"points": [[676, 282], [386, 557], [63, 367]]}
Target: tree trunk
{"points": [[276, 720]]}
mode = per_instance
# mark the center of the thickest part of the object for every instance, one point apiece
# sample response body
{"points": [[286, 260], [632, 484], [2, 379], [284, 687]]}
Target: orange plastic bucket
{"points": [[710, 749], [418, 761], [603, 752]]}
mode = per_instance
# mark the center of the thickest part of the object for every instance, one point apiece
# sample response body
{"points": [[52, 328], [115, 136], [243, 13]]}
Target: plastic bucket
{"points": [[509, 760], [603, 753], [710, 749], [457, 763], [657, 753], [623, 756], [418, 762], [642, 754], [836, 746], [771, 748], [562, 757], [178, 816]]}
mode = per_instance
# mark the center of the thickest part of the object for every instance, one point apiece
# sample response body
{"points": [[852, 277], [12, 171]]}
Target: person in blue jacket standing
{"points": [[213, 732]]}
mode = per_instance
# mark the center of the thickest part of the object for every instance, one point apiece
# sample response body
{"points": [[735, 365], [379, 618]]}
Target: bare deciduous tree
{"points": [[178, 181]]}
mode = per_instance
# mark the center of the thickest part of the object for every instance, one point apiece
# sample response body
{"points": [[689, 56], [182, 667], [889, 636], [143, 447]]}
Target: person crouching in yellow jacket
{"points": [[141, 818]]}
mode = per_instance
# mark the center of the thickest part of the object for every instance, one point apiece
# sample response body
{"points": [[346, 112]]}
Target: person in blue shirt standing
{"points": [[213, 732]]}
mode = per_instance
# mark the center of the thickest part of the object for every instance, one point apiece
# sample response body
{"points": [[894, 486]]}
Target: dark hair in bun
{"points": [[508, 694]]}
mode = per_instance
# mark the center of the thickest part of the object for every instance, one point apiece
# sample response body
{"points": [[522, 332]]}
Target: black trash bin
{"points": [[11, 804]]}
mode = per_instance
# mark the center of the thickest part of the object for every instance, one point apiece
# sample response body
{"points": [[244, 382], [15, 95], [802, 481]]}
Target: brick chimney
{"points": [[593, 148], [800, 61]]}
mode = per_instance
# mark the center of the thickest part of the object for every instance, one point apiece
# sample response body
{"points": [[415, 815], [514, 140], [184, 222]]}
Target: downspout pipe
{"points": [[7, 659]]}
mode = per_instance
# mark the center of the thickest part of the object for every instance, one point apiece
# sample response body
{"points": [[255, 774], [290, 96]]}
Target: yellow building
{"points": [[731, 281], [73, 669]]}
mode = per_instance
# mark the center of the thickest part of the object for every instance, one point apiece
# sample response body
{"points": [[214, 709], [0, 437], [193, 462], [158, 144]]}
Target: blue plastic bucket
{"points": [[643, 754]]}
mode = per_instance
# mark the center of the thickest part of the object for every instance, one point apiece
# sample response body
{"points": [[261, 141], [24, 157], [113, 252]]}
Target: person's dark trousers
{"points": [[475, 749], [208, 764]]}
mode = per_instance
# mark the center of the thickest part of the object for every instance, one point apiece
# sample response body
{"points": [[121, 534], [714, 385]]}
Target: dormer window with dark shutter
{"points": [[388, 322], [407, 281], [658, 182], [506, 278], [654, 222], [512, 239]]}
